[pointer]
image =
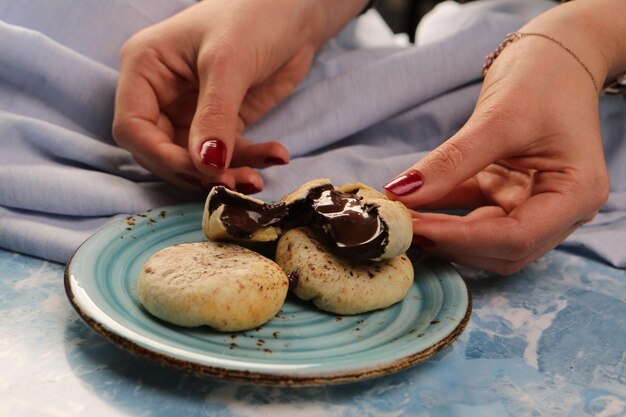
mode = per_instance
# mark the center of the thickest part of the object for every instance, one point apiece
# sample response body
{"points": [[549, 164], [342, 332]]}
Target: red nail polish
{"points": [[274, 160], [189, 178], [247, 188], [405, 184], [213, 153], [419, 240]]}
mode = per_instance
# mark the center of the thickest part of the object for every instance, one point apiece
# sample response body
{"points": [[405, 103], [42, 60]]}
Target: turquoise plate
{"points": [[300, 346]]}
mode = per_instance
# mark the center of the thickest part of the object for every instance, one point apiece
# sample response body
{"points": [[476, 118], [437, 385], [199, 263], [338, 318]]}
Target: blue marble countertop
{"points": [[549, 341]]}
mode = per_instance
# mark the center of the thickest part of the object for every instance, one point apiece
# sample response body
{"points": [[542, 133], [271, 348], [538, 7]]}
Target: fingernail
{"points": [[419, 240], [274, 160], [247, 188], [405, 184], [213, 153], [189, 178]]}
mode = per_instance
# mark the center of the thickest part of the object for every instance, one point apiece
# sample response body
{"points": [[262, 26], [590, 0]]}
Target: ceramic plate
{"points": [[300, 346]]}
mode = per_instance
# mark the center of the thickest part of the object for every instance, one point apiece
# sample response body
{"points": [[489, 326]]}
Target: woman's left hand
{"points": [[528, 164]]}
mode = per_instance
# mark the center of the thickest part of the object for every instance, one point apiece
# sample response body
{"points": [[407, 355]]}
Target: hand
{"points": [[190, 85], [529, 162]]}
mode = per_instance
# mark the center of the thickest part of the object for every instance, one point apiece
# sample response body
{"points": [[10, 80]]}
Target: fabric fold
{"points": [[365, 112]]}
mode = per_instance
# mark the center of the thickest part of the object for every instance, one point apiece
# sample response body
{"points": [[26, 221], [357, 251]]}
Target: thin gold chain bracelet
{"points": [[514, 36], [612, 88]]}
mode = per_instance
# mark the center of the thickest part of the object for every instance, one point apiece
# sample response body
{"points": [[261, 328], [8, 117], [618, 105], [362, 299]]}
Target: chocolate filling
{"points": [[356, 230], [242, 217], [293, 277], [353, 229]]}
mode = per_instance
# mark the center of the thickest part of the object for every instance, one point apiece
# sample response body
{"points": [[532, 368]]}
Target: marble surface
{"points": [[549, 341]]}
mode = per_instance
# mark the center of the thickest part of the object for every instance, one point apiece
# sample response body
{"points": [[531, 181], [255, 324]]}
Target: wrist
{"points": [[594, 30], [331, 16], [607, 27]]}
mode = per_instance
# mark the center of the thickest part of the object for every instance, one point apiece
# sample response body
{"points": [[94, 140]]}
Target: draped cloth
{"points": [[371, 106]]}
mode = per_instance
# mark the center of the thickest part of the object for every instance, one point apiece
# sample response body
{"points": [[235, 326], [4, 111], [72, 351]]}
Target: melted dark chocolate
{"points": [[294, 277], [354, 230], [242, 217]]}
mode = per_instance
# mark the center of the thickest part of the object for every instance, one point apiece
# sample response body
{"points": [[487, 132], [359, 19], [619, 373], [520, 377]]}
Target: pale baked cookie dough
{"points": [[338, 285], [221, 285], [227, 216]]}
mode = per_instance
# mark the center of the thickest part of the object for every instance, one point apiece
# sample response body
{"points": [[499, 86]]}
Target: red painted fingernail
{"points": [[189, 178], [213, 153], [274, 160], [419, 240], [247, 188], [405, 184]]}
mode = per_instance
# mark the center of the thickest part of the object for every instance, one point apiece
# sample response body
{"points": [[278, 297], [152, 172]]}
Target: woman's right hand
{"points": [[190, 85]]}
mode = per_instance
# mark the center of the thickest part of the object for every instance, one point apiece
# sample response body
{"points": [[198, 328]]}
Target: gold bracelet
{"points": [[615, 87], [512, 37]]}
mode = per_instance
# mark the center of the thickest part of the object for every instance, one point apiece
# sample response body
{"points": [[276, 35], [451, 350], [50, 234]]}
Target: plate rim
{"points": [[283, 379]]}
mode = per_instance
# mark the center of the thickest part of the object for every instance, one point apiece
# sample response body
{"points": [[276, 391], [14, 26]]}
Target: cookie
{"points": [[336, 284], [229, 215], [301, 193], [358, 222], [395, 216], [221, 285]]}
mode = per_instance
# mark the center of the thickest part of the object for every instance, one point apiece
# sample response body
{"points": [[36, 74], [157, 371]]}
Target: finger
{"points": [[262, 97], [244, 180], [458, 159], [182, 109], [511, 237], [467, 195], [185, 176], [214, 125], [136, 129], [136, 108], [247, 180], [499, 266], [479, 213], [259, 155], [140, 129]]}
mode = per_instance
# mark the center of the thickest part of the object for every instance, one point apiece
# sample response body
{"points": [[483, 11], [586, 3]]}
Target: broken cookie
{"points": [[357, 221], [336, 284]]}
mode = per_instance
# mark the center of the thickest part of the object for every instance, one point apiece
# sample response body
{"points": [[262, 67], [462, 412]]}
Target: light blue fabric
{"points": [[363, 114]]}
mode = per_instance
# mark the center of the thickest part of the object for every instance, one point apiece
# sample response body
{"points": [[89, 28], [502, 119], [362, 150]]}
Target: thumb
{"points": [[446, 167], [214, 125]]}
